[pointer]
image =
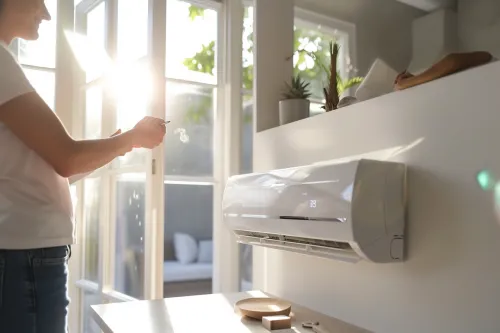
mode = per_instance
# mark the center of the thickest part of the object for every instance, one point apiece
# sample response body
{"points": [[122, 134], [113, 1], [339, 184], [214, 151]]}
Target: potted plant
{"points": [[294, 104], [335, 85]]}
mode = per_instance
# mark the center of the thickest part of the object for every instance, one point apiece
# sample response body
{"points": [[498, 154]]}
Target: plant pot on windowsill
{"points": [[294, 105], [293, 109]]}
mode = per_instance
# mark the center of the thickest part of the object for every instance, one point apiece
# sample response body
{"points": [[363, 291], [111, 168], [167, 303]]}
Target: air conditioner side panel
{"points": [[378, 210]]}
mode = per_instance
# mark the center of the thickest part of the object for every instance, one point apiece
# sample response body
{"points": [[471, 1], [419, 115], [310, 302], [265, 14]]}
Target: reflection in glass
{"points": [[93, 113], [189, 140], [188, 251], [130, 220], [92, 199], [41, 52], [194, 28], [44, 83]]}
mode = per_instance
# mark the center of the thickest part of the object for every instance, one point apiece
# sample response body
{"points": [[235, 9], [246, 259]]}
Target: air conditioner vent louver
{"points": [[296, 240]]}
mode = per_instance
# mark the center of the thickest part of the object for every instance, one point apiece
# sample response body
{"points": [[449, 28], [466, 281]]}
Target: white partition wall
{"points": [[273, 28], [445, 132], [273, 33]]}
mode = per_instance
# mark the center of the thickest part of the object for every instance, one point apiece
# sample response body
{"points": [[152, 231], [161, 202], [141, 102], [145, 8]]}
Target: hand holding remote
{"points": [[149, 132]]}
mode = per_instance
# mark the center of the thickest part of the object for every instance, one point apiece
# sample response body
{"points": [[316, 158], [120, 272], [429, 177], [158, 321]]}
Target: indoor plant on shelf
{"points": [[295, 104], [336, 85]]}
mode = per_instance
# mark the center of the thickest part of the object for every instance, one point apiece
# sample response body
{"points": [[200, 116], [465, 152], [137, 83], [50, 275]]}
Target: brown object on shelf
{"points": [[277, 322], [258, 307], [451, 64]]}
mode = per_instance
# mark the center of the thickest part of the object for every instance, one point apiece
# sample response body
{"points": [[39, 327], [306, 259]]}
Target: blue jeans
{"points": [[33, 290]]}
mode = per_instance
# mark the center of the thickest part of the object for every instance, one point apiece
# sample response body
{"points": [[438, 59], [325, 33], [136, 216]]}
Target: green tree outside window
{"points": [[304, 39]]}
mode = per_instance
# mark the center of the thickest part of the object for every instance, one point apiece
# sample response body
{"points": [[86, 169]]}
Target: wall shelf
{"points": [[362, 127]]}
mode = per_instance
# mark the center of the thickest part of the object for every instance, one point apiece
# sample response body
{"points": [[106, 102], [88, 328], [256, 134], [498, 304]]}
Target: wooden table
{"points": [[199, 314]]}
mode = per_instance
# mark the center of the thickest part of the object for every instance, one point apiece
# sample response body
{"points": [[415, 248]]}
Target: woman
{"points": [[37, 156]]}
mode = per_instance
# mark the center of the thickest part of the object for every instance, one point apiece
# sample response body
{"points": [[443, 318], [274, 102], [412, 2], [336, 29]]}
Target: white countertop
{"points": [[197, 314]]}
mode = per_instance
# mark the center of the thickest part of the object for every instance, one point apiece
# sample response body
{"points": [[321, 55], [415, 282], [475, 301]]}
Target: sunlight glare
{"points": [[90, 57], [211, 311], [130, 83]]}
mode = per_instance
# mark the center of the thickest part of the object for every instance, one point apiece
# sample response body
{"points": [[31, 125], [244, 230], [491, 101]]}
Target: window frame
{"points": [[155, 209]]}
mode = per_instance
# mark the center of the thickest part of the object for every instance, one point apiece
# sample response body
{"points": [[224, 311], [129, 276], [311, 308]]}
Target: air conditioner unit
{"points": [[344, 209]]}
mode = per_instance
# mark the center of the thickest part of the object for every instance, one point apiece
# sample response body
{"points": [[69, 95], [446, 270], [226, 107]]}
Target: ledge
{"points": [[386, 120]]}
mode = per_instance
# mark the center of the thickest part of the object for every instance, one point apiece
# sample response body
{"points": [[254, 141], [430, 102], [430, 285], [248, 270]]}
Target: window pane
{"points": [[189, 139], [132, 90], [130, 218], [132, 29], [188, 273], [246, 267], [96, 34], [93, 113], [44, 83], [246, 163], [92, 199], [246, 166], [191, 42], [88, 299], [42, 52], [311, 44], [316, 109], [248, 49]]}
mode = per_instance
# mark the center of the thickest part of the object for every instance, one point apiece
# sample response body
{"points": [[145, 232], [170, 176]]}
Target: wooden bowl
{"points": [[258, 307]]}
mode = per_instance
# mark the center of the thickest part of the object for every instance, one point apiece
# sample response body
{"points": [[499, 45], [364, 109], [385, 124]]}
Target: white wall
{"points": [[383, 28], [451, 281], [479, 25]]}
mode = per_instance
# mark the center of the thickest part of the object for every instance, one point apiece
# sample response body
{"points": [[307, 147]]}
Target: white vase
{"points": [[291, 110]]}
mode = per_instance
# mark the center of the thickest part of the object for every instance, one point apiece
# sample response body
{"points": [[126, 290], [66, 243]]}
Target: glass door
{"points": [[116, 224], [129, 97], [192, 148]]}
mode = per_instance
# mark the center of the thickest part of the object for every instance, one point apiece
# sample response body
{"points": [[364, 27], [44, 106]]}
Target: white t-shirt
{"points": [[35, 201]]}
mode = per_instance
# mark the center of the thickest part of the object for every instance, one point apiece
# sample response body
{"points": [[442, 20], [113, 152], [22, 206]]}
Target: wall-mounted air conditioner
{"points": [[345, 210]]}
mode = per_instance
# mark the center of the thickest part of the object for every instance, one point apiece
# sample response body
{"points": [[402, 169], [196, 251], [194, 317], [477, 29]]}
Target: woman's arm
{"points": [[75, 178], [450, 64], [32, 121]]}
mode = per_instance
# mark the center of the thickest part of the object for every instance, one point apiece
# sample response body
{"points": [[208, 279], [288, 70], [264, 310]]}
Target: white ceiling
{"points": [[429, 5]]}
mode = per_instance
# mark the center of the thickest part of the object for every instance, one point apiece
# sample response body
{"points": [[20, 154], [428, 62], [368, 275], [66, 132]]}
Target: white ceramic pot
{"points": [[293, 109]]}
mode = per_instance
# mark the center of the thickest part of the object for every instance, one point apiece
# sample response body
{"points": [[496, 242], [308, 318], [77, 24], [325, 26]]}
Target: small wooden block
{"points": [[277, 322]]}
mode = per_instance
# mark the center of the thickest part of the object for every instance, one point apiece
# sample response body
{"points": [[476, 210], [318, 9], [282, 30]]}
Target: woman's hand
{"points": [[401, 80], [148, 133]]}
